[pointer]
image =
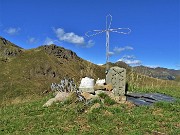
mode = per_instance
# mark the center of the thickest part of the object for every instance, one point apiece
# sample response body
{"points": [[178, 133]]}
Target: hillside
{"points": [[26, 74], [30, 72]]}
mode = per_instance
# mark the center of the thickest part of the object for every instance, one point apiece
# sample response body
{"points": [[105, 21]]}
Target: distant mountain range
{"points": [[25, 73], [159, 72]]}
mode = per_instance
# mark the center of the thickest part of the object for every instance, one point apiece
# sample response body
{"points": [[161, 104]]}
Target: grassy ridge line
{"points": [[142, 83]]}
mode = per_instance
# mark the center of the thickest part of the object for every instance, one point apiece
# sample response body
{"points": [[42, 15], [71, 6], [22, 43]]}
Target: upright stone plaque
{"points": [[117, 77]]}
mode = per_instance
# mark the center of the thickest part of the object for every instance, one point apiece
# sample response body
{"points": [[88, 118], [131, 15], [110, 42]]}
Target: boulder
{"points": [[60, 97]]}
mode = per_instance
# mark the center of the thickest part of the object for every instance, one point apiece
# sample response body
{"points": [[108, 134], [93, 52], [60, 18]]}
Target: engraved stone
{"points": [[117, 77]]}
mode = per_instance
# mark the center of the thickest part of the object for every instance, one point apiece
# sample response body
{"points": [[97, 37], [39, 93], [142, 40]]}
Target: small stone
{"points": [[87, 95], [99, 87], [109, 87], [97, 92], [49, 102], [122, 98]]}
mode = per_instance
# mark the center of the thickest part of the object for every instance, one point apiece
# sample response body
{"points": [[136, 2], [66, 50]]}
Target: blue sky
{"points": [[155, 24]]}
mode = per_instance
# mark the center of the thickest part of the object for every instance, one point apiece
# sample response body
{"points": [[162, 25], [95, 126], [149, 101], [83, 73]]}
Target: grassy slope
{"points": [[142, 83], [70, 118]]}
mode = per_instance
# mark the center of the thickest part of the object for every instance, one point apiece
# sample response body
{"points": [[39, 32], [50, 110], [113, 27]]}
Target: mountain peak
{"points": [[9, 49], [59, 52]]}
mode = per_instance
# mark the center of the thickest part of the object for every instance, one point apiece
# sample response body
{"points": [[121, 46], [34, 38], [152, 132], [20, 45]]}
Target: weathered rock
{"points": [[60, 97], [117, 77]]}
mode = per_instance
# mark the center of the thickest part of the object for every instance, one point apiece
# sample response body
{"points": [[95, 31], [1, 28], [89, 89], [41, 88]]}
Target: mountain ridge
{"points": [[25, 75]]}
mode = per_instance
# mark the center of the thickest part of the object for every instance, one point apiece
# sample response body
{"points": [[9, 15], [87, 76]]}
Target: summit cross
{"points": [[107, 30]]}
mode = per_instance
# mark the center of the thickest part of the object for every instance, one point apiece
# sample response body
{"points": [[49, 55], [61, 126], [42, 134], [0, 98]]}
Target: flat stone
{"points": [[99, 87], [49, 102], [89, 90]]}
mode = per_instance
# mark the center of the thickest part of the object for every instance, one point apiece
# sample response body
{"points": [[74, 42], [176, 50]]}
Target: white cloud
{"points": [[32, 40], [131, 62], [111, 53], [12, 31], [89, 44], [48, 41], [120, 49], [178, 65], [73, 38], [130, 59]]}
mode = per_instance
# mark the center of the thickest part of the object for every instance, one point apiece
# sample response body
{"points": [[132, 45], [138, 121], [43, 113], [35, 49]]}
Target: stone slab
{"points": [[117, 77]]}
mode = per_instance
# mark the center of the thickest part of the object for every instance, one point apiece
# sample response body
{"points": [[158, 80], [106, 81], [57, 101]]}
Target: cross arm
{"points": [[121, 30], [94, 32]]}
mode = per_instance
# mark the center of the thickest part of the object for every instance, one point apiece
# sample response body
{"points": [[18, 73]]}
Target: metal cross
{"points": [[107, 30]]}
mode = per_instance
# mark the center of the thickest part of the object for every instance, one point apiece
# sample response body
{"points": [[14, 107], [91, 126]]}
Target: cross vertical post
{"points": [[107, 50]]}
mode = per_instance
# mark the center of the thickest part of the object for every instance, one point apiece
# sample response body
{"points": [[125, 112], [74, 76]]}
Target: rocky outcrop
{"points": [[9, 49], [59, 52]]}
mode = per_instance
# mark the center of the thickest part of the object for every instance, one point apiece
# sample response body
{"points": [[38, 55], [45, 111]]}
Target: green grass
{"points": [[23, 79], [71, 118]]}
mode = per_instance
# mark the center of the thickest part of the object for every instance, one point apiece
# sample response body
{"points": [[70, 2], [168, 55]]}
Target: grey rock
{"points": [[60, 97]]}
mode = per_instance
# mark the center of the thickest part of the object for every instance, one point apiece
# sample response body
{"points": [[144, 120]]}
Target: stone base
{"points": [[89, 90]]}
